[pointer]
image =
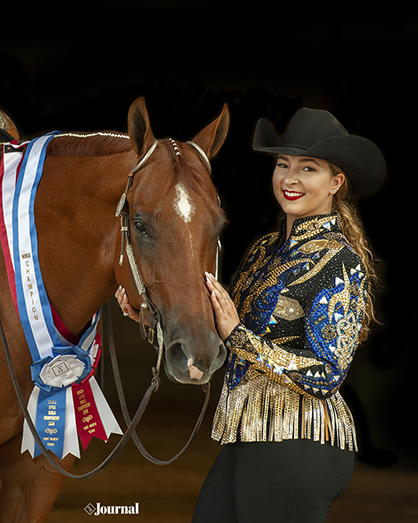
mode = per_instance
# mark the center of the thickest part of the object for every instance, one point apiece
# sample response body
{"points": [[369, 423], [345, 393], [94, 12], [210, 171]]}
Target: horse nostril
{"points": [[182, 364], [175, 354]]}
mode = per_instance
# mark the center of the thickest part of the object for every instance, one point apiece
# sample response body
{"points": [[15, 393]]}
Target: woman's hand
{"points": [[226, 315], [127, 310]]}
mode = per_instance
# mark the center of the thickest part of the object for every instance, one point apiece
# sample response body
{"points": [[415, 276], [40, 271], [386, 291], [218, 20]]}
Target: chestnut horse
{"points": [[174, 219]]}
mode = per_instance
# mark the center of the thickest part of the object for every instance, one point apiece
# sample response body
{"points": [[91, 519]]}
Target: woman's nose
{"points": [[291, 176]]}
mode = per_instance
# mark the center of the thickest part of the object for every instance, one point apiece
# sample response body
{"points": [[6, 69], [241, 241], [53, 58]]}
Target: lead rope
{"points": [[115, 366]]}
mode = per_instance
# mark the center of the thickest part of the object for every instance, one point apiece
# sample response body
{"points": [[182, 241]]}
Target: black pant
{"points": [[293, 481]]}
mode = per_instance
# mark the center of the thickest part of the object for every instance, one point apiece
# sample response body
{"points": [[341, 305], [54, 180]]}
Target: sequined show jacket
{"points": [[301, 303]]}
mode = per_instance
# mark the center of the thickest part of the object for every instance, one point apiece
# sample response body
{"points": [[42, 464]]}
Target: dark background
{"points": [[79, 66]]}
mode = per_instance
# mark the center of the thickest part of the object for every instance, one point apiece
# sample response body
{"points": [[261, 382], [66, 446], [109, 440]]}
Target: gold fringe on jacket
{"points": [[260, 410]]}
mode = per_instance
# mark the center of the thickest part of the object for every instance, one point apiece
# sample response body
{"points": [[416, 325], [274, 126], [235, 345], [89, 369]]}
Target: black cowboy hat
{"points": [[317, 134]]}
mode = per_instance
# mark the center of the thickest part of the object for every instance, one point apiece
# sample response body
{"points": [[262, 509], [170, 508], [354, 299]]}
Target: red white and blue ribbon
{"points": [[66, 396]]}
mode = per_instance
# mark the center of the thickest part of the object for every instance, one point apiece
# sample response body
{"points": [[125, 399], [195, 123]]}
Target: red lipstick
{"points": [[292, 195]]}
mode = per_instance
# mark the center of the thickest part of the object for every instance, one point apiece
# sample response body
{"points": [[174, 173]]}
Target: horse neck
{"points": [[77, 231]]}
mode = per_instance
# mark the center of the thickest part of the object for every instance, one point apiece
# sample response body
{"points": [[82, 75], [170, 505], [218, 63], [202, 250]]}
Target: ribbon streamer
{"points": [[87, 415]]}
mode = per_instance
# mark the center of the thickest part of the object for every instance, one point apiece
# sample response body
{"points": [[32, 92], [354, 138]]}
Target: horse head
{"points": [[173, 222]]}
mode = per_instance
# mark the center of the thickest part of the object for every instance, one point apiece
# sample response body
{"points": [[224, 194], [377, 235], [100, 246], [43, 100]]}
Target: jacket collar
{"points": [[304, 229]]}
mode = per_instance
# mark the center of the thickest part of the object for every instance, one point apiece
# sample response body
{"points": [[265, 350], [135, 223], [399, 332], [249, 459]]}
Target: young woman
{"points": [[297, 310]]}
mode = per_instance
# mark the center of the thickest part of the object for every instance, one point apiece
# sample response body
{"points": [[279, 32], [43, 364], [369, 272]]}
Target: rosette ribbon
{"points": [[66, 396]]}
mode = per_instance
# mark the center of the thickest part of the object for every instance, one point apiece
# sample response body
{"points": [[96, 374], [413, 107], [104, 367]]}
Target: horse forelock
{"points": [[89, 144], [189, 175]]}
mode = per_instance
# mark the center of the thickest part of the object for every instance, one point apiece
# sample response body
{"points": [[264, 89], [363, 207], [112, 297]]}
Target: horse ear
{"points": [[139, 128], [211, 138]]}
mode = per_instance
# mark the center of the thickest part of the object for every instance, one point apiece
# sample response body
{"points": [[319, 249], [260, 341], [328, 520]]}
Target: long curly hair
{"points": [[353, 230]]}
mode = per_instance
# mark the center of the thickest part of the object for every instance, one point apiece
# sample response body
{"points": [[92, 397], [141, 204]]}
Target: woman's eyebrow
{"points": [[301, 159], [310, 160]]}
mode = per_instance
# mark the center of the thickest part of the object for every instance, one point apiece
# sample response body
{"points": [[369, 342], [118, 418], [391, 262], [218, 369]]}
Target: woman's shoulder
{"points": [[342, 252]]}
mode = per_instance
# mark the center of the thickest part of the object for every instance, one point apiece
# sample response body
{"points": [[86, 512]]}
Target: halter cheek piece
{"points": [[150, 323]]}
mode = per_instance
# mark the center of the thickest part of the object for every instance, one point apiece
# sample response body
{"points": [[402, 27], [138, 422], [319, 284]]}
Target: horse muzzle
{"points": [[195, 361]]}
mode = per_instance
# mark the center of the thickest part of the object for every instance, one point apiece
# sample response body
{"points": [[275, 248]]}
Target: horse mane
{"points": [[108, 143], [89, 144]]}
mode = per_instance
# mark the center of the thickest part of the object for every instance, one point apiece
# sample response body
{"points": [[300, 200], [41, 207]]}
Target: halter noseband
{"points": [[150, 330]]}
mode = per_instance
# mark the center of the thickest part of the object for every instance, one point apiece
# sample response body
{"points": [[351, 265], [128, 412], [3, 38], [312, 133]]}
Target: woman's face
{"points": [[304, 186]]}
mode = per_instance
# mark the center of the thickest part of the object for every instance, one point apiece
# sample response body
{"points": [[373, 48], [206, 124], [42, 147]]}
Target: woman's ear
{"points": [[337, 181]]}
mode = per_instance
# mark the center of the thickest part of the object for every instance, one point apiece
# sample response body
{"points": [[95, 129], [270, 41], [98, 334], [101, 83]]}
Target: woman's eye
{"points": [[140, 228], [282, 165]]}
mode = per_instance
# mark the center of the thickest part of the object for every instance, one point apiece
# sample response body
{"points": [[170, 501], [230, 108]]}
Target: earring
{"points": [[333, 191]]}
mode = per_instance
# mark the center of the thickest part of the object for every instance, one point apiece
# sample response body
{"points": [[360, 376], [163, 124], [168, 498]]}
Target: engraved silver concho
{"points": [[4, 124], [62, 371]]}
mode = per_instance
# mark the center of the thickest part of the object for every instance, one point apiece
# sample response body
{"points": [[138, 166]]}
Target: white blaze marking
{"points": [[183, 205]]}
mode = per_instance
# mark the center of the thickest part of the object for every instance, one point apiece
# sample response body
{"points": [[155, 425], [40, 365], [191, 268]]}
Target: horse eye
{"points": [[140, 228]]}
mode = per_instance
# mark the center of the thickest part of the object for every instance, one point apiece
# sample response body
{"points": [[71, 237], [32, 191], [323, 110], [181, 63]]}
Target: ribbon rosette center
{"points": [[62, 371]]}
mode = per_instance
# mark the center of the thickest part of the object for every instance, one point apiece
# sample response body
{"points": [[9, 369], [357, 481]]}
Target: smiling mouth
{"points": [[292, 195]]}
